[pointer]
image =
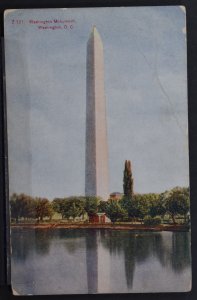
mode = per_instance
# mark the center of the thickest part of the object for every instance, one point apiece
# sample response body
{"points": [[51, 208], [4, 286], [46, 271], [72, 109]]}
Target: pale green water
{"points": [[62, 261]]}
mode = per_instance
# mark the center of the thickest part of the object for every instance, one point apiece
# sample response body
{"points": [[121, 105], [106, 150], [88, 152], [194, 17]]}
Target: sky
{"points": [[146, 98]]}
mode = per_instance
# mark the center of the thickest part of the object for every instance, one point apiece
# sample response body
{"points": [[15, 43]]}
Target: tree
{"points": [[30, 211], [138, 207], [15, 207], [58, 206], [66, 208], [102, 206], [126, 203], [114, 211], [177, 202], [22, 206], [91, 205], [156, 206], [128, 180], [43, 208], [73, 207]]}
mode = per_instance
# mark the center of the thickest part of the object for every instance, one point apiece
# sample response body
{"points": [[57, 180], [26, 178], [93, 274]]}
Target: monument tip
{"points": [[94, 30], [95, 33]]}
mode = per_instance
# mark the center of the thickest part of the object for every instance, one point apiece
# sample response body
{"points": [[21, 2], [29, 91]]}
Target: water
{"points": [[62, 261]]}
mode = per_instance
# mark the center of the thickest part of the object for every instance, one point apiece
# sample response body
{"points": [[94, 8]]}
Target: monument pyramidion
{"points": [[97, 170]]}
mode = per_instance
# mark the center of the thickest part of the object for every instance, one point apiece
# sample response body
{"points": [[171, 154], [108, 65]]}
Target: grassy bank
{"points": [[132, 227]]}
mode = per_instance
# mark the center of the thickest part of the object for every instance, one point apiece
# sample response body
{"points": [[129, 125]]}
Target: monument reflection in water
{"points": [[90, 261]]}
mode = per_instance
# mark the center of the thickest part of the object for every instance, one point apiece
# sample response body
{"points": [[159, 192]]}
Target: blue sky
{"points": [[146, 98]]}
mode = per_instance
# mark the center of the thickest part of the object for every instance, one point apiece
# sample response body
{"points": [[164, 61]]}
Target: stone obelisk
{"points": [[96, 173]]}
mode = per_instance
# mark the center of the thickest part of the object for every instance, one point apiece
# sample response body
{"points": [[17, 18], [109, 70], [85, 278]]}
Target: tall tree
{"points": [[126, 203], [128, 180]]}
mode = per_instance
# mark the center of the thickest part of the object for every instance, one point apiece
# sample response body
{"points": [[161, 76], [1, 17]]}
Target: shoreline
{"points": [[132, 227]]}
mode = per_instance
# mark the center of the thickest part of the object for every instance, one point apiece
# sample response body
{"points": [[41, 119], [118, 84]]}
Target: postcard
{"points": [[97, 118]]}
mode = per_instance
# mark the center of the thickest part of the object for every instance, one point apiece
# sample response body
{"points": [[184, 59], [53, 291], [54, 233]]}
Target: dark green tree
{"points": [[156, 205], [102, 206], [139, 207], [126, 203], [128, 180]]}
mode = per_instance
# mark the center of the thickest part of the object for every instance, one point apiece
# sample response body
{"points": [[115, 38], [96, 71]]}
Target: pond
{"points": [[81, 261]]}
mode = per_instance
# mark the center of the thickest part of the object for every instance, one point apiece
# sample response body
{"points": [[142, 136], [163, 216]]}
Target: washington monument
{"points": [[96, 173]]}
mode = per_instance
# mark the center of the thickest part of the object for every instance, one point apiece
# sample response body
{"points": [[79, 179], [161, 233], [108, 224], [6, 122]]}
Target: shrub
{"points": [[148, 220]]}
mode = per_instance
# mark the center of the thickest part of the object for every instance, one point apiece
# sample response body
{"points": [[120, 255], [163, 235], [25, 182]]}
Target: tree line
{"points": [[153, 208], [25, 207], [147, 208]]}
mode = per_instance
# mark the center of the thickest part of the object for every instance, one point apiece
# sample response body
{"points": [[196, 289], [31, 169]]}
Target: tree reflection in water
{"points": [[170, 249], [22, 241], [180, 255], [137, 247]]}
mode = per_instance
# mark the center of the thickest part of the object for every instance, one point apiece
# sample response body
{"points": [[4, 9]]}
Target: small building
{"points": [[115, 196], [97, 218]]}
